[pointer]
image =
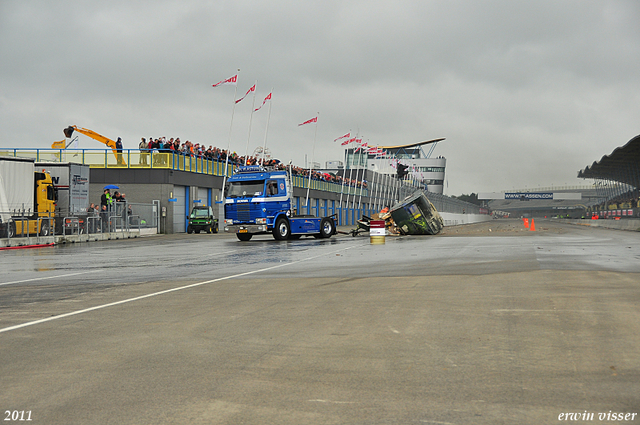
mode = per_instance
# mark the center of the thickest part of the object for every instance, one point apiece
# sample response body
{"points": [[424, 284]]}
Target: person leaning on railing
{"points": [[144, 147]]}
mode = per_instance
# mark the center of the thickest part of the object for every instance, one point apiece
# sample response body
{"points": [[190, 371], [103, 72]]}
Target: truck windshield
{"points": [[245, 189]]}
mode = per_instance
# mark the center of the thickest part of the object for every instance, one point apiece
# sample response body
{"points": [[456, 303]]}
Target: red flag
{"points": [[233, 81], [263, 102], [253, 88], [362, 145], [309, 121], [343, 137], [346, 142]]}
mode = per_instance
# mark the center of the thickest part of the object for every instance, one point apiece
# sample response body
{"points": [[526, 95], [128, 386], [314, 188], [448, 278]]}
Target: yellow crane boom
{"points": [[96, 136]]}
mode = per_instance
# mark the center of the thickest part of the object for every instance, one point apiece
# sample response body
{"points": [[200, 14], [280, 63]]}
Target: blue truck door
{"points": [[276, 196]]}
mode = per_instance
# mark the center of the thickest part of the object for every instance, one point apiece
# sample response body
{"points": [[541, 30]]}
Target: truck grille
{"points": [[244, 213]]}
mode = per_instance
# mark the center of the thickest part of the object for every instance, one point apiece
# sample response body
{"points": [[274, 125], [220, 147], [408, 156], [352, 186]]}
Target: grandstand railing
{"points": [[138, 159]]}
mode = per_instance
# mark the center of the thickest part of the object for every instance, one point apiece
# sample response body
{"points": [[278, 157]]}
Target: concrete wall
{"points": [[454, 219], [632, 224]]}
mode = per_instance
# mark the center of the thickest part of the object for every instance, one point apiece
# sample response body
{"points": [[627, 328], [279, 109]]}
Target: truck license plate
{"points": [[242, 231]]}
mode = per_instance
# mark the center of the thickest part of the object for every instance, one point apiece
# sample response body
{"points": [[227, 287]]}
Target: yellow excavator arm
{"points": [[96, 136]]}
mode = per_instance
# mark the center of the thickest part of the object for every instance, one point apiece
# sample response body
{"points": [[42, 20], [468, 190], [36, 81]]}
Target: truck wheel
{"points": [[282, 230], [209, 229], [189, 230], [215, 227], [327, 227], [244, 237], [45, 228]]}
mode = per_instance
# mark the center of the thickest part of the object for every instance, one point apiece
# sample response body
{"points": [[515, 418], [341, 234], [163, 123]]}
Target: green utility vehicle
{"points": [[202, 218]]}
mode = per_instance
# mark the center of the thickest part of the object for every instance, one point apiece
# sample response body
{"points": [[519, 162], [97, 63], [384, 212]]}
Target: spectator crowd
{"points": [[162, 145]]}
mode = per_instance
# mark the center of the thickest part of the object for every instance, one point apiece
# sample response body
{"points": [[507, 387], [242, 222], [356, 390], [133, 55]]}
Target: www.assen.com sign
{"points": [[529, 195]]}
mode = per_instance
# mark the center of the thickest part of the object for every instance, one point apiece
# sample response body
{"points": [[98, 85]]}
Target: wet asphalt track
{"points": [[501, 327]]}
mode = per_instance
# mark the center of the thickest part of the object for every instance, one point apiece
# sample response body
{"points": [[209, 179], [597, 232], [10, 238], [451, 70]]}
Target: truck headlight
{"points": [[261, 221], [228, 221]]}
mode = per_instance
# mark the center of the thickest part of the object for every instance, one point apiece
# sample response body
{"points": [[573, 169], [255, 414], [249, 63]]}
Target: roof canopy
{"points": [[622, 165], [411, 145]]}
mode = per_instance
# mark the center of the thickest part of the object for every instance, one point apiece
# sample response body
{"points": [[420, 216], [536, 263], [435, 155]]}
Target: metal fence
{"points": [[119, 217]]}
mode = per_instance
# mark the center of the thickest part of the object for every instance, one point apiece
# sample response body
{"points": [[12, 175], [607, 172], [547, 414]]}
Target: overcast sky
{"points": [[526, 93]]}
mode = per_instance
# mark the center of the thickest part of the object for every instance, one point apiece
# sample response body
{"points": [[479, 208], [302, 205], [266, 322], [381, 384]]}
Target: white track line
{"points": [[49, 277], [141, 297]]}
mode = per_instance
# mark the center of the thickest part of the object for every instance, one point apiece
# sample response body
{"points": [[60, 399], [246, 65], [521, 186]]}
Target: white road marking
{"points": [[49, 277], [334, 402], [437, 422], [141, 297], [520, 310]]}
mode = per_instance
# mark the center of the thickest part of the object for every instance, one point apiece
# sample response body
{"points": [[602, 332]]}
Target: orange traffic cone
{"points": [[526, 223], [533, 226]]}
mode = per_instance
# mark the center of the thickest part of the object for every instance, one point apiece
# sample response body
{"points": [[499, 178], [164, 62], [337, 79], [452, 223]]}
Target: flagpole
{"points": [[349, 186], [344, 175], [380, 193], [394, 184], [351, 174], [390, 185], [380, 185], [398, 187], [384, 198], [226, 162], [362, 179], [313, 153], [380, 188], [264, 145], [253, 104], [372, 199]]}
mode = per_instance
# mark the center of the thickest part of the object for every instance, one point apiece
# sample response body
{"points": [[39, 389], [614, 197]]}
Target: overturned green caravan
{"points": [[416, 215]]}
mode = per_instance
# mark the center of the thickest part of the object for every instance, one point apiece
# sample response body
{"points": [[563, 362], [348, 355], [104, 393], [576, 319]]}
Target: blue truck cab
{"points": [[258, 201]]}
